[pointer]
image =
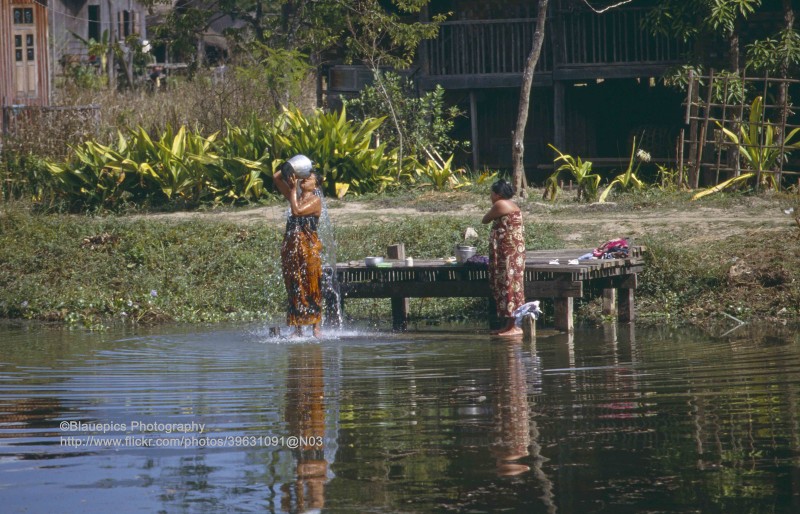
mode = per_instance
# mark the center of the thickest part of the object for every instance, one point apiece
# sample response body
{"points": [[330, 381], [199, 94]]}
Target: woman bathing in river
{"points": [[506, 256], [301, 251]]}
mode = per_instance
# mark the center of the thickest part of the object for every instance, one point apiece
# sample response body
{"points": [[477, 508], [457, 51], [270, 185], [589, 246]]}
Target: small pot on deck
{"points": [[464, 252]]}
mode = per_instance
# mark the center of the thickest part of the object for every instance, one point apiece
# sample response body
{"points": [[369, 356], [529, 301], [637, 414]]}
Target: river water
{"points": [[228, 419]]}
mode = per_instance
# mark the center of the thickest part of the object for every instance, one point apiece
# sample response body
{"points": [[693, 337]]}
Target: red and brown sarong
{"points": [[507, 263], [301, 260]]}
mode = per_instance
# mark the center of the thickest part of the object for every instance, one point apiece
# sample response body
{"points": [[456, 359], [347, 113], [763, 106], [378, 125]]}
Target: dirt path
{"points": [[585, 222]]}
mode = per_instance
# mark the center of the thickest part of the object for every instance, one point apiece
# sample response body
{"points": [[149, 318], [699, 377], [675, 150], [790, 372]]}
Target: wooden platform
{"points": [[563, 282]]}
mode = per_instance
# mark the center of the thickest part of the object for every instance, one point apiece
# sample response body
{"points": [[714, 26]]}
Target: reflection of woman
{"points": [[301, 251], [511, 413], [506, 256], [305, 418]]}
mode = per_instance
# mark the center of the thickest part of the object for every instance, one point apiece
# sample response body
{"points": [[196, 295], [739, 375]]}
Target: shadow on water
{"points": [[609, 419]]}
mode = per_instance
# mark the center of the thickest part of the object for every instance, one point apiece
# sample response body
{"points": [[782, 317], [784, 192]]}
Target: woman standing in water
{"points": [[301, 251], [506, 256]]}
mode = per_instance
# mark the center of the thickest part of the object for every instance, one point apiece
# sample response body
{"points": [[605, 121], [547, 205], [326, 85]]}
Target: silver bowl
{"points": [[373, 261], [300, 166]]}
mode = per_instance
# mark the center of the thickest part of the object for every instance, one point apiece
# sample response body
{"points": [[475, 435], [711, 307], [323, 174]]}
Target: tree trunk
{"points": [[518, 148], [783, 90], [733, 48]]}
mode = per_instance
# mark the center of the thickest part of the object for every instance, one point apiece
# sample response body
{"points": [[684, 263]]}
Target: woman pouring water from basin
{"points": [[301, 251]]}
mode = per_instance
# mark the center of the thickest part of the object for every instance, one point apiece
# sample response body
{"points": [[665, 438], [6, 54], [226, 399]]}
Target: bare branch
{"points": [[608, 8]]}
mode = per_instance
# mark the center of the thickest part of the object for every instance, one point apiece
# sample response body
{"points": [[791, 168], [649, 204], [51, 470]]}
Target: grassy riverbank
{"points": [[704, 260]]}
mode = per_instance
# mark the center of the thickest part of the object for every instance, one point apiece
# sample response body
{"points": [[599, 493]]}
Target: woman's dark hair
{"points": [[318, 178], [503, 189]]}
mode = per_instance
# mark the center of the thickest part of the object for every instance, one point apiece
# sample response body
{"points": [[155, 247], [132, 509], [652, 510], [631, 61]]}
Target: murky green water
{"points": [[609, 420]]}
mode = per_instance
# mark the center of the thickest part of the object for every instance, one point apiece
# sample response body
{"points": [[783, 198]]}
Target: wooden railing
{"points": [[487, 47], [483, 47], [616, 37]]}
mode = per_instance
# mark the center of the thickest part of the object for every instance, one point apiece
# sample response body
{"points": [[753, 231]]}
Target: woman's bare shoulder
{"points": [[507, 206]]}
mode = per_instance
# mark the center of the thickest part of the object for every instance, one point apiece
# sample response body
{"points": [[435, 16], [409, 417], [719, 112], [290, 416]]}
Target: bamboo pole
{"points": [[702, 142]]}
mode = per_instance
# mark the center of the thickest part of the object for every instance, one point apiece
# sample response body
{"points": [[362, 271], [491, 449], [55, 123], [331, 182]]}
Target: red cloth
{"points": [[507, 263], [613, 246]]}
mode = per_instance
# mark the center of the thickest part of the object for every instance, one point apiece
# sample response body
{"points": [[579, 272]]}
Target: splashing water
{"points": [[330, 286]]}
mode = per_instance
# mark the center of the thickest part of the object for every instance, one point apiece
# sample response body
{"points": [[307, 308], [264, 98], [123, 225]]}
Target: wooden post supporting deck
{"points": [[400, 304], [494, 320], [609, 302], [625, 305], [563, 314]]}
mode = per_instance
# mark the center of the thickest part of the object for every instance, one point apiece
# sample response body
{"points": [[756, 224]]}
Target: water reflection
{"points": [[516, 430], [510, 406], [604, 420], [305, 417]]}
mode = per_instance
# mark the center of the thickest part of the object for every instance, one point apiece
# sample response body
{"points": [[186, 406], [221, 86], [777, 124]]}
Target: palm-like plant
{"points": [[581, 172], [440, 173], [628, 179], [343, 151], [758, 147], [757, 144]]}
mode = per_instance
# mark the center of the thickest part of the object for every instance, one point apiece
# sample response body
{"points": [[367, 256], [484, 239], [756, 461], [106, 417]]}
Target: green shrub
{"points": [[342, 150], [424, 122]]}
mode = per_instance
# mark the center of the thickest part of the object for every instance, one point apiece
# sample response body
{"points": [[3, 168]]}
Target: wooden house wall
{"points": [[72, 17], [496, 117], [68, 17], [8, 95]]}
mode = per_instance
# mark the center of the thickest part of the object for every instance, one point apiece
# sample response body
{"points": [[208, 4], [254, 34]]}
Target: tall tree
{"points": [[518, 148]]}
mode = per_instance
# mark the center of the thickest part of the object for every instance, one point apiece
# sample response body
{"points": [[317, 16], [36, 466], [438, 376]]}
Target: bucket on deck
{"points": [[464, 252]]}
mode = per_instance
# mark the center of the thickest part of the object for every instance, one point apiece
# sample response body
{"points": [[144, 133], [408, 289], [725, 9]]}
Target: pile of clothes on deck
{"points": [[613, 249]]}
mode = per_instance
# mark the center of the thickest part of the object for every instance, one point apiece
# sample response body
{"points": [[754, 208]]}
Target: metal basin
{"points": [[464, 252]]}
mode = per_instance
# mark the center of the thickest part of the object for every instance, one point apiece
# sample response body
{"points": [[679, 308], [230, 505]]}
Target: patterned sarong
{"points": [[507, 263], [301, 260]]}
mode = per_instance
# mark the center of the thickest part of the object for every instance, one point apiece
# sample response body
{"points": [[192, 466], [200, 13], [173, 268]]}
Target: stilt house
{"points": [[596, 85]]}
